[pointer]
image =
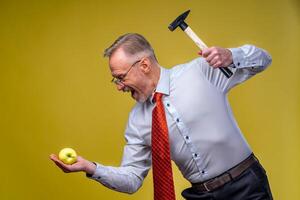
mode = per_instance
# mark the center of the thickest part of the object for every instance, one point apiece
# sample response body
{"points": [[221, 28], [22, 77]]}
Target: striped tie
{"points": [[161, 161]]}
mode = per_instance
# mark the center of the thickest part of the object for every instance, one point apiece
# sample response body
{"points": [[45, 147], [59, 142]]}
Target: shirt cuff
{"points": [[237, 57], [96, 175]]}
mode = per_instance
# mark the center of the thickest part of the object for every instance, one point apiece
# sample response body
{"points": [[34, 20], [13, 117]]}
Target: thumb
{"points": [[206, 52]]}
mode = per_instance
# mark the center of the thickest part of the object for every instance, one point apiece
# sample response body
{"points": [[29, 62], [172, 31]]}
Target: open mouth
{"points": [[132, 91], [129, 89]]}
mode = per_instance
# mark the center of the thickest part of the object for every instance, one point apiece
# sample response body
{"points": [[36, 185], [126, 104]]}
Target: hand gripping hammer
{"points": [[179, 21]]}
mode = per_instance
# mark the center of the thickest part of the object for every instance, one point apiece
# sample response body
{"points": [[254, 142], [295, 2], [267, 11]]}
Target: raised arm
{"points": [[244, 61]]}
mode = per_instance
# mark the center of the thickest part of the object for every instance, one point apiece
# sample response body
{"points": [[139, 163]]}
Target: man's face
{"points": [[129, 75]]}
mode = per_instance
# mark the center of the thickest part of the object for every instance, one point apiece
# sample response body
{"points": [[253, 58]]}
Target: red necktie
{"points": [[161, 161]]}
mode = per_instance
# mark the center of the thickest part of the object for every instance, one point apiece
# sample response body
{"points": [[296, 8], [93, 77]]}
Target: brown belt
{"points": [[224, 178]]}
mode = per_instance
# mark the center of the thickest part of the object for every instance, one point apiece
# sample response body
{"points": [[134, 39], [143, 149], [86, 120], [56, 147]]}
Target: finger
{"points": [[53, 157], [211, 56], [217, 64], [200, 53], [206, 52], [214, 60], [62, 168], [63, 165], [59, 163]]}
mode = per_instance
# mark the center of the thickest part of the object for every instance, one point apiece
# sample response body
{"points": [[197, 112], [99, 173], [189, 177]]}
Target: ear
{"points": [[146, 65]]}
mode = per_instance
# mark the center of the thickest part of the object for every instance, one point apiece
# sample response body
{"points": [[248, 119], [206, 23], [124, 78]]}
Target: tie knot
{"points": [[157, 96]]}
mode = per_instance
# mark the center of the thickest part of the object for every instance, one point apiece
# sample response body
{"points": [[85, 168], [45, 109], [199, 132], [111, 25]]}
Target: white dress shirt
{"points": [[205, 139]]}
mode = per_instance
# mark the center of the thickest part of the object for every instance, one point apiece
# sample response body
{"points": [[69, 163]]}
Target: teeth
{"points": [[126, 89]]}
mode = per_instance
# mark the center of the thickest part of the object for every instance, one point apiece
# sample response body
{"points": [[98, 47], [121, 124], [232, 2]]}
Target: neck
{"points": [[155, 75]]}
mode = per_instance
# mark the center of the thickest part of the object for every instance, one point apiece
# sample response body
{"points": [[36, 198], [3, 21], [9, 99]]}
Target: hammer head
{"points": [[179, 21]]}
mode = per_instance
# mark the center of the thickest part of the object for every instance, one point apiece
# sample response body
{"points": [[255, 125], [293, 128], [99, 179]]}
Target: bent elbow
{"points": [[265, 62], [268, 59], [132, 191], [134, 186]]}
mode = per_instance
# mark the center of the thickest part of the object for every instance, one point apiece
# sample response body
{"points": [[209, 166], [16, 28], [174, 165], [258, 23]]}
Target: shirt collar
{"points": [[163, 85]]}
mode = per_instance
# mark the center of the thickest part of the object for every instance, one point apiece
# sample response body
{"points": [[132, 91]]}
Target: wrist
{"points": [[230, 59], [90, 168]]}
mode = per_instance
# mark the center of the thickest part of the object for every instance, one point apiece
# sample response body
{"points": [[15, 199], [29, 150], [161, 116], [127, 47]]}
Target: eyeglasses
{"points": [[121, 78]]}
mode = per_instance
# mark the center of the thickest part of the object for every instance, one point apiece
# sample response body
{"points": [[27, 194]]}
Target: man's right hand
{"points": [[81, 165], [217, 56]]}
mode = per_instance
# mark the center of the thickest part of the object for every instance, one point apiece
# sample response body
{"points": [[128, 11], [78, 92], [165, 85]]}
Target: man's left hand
{"points": [[217, 56], [81, 165]]}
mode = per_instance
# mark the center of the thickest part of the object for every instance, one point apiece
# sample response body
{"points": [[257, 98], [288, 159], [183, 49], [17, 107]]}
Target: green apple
{"points": [[67, 156]]}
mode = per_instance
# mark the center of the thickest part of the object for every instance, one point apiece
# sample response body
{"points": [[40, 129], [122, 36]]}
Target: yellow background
{"points": [[55, 88]]}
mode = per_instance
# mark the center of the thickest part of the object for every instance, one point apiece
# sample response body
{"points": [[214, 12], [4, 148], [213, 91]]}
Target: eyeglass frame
{"points": [[117, 81]]}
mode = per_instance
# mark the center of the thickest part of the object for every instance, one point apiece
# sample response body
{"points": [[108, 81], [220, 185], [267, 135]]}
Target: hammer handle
{"points": [[195, 38], [226, 71]]}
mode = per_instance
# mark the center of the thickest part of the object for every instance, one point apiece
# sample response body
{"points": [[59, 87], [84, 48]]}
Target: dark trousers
{"points": [[252, 184]]}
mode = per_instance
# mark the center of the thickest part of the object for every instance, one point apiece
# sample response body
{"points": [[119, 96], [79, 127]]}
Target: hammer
{"points": [[179, 21]]}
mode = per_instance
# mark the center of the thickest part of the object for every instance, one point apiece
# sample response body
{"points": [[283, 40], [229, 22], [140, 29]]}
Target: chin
{"points": [[140, 99]]}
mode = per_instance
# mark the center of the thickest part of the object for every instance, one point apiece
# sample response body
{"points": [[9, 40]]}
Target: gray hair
{"points": [[132, 44]]}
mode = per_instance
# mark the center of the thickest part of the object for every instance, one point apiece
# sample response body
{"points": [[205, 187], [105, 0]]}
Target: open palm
{"points": [[79, 165]]}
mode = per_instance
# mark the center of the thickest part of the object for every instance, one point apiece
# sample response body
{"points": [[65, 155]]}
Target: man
{"points": [[204, 139]]}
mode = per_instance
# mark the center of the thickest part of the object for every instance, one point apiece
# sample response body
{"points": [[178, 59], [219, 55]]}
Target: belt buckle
{"points": [[206, 186]]}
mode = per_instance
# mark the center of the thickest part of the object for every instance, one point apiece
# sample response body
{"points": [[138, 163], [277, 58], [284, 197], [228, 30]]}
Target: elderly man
{"points": [[182, 114]]}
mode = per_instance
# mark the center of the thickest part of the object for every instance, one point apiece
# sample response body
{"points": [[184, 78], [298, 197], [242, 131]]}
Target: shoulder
{"points": [[138, 125], [139, 112], [192, 66]]}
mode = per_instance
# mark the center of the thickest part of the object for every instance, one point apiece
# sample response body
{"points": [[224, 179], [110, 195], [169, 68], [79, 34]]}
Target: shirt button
{"points": [[187, 137], [99, 177], [238, 63], [195, 155], [168, 104], [177, 120], [203, 172]]}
